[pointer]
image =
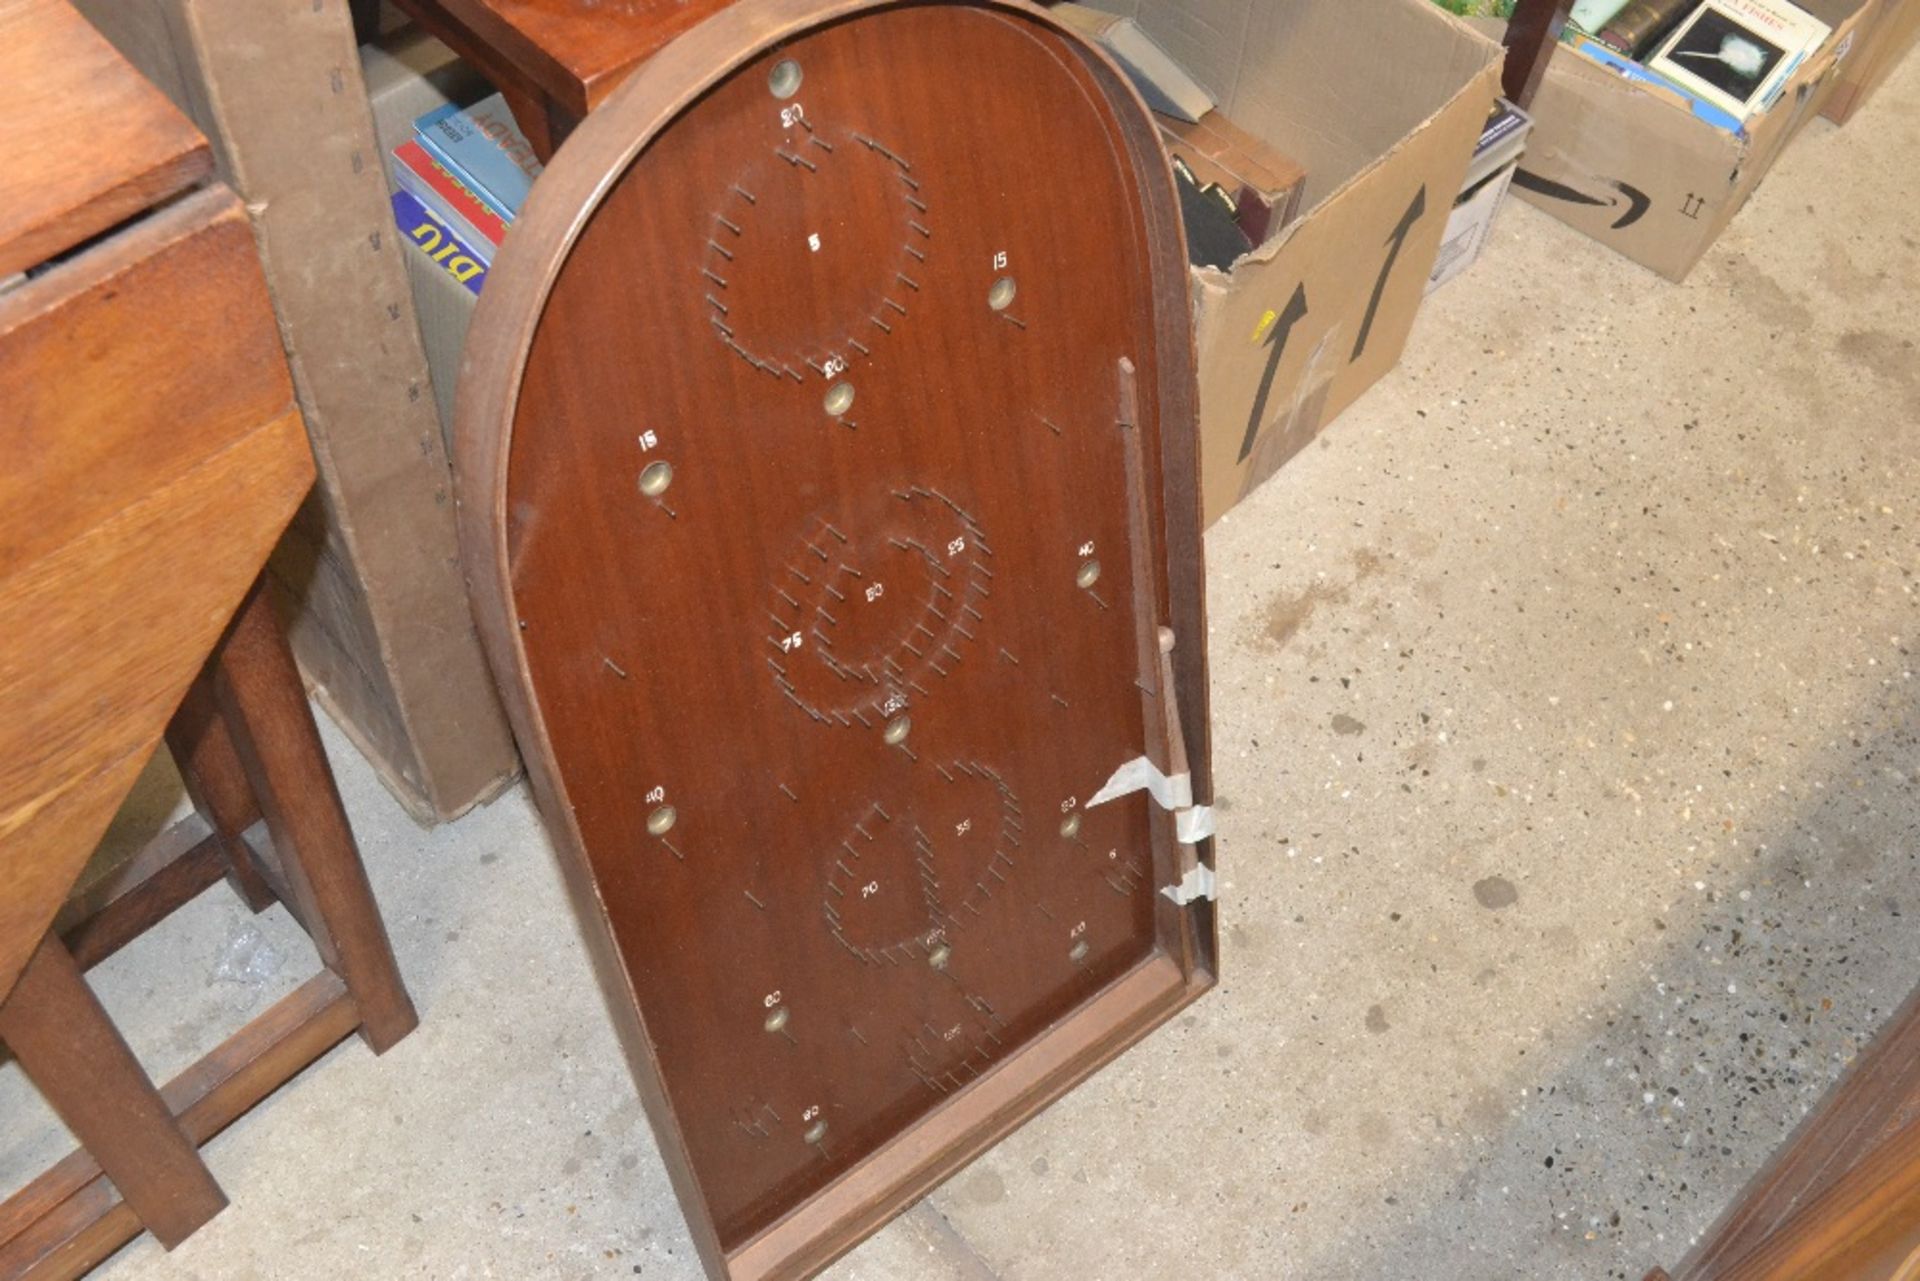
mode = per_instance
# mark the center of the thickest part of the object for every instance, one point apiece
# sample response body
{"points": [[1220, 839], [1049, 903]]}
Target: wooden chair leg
{"points": [[1531, 36], [265, 708], [217, 784], [71, 1050]]}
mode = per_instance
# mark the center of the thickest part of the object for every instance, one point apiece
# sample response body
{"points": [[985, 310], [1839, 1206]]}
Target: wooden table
{"points": [[556, 60], [153, 457]]}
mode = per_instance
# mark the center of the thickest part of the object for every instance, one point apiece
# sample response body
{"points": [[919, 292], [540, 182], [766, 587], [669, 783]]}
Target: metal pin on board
{"points": [[615, 668]]}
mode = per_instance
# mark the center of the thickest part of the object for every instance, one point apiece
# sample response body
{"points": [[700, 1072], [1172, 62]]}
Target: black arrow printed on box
{"points": [[1277, 340], [1414, 213]]}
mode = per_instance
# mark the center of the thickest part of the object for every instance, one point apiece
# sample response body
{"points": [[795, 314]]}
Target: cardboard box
{"points": [[1628, 162], [370, 569], [1893, 32], [1382, 102]]}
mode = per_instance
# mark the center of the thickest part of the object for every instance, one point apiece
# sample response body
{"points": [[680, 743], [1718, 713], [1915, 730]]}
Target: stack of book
{"points": [[1730, 58], [459, 182]]}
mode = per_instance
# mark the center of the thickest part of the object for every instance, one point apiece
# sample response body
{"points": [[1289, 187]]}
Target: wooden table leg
{"points": [[265, 708], [217, 784], [71, 1050], [1531, 35]]}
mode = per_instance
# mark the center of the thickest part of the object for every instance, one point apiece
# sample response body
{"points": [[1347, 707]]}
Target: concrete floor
{"points": [[1568, 775]]}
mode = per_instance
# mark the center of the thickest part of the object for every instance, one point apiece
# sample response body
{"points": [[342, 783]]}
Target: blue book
{"points": [[436, 240], [483, 147]]}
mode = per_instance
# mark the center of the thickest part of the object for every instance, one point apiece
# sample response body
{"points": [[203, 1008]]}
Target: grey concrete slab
{"points": [[1567, 759]]}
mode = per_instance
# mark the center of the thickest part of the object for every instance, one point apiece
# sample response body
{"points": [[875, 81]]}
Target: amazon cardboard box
{"points": [[1894, 30], [1643, 168], [1382, 102]]}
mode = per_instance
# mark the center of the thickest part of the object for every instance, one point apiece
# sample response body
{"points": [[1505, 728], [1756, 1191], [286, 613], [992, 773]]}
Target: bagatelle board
{"points": [[828, 485]]}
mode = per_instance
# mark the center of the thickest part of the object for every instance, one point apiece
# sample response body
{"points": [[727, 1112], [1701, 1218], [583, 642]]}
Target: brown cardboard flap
{"points": [[1335, 85], [1883, 40]]}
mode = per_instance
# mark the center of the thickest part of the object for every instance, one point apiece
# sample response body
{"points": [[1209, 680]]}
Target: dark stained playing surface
{"points": [[835, 596]]}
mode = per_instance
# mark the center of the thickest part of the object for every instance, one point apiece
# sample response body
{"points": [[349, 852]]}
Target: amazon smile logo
{"points": [[1634, 208]]}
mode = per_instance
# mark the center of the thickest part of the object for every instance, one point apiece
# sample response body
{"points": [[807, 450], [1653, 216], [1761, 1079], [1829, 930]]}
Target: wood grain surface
{"points": [[573, 52], [817, 715], [93, 142], [129, 528]]}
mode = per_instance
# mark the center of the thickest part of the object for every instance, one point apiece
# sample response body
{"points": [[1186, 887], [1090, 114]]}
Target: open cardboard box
{"points": [[1382, 102], [1630, 164], [1889, 37]]}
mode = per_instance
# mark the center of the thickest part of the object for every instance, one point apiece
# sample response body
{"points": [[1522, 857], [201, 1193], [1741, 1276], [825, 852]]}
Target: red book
{"points": [[441, 192]]}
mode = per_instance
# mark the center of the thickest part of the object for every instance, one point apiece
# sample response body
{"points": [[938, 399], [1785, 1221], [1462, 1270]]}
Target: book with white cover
{"points": [[1737, 54]]}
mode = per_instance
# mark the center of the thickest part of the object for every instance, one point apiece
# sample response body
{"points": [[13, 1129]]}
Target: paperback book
{"points": [[484, 149], [438, 242], [451, 200], [1737, 54]]}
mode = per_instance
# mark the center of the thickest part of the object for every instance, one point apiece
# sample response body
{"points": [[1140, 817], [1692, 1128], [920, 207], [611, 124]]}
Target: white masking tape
{"points": [[1198, 883], [1174, 792], [1195, 824]]}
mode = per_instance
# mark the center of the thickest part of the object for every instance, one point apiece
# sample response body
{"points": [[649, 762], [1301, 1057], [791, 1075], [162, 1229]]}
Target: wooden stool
{"points": [[154, 455]]}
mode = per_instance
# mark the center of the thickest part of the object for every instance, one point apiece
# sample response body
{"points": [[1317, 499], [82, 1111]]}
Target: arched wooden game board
{"points": [[828, 484]]}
